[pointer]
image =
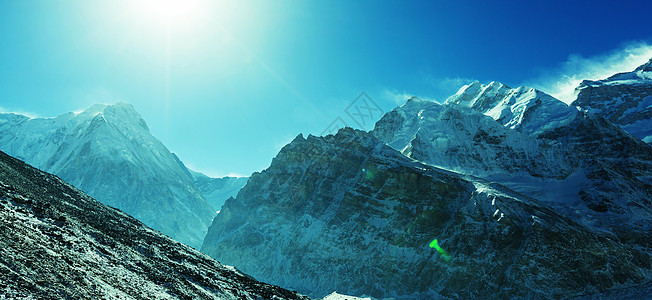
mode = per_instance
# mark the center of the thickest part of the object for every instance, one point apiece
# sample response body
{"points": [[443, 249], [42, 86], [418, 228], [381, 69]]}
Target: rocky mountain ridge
{"points": [[523, 193], [108, 152], [582, 165], [525, 109], [624, 99], [58, 243], [347, 212]]}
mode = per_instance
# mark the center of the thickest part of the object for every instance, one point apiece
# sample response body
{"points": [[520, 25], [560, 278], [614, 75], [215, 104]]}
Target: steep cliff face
{"points": [[624, 99], [58, 243], [346, 212], [583, 166], [108, 152], [459, 138], [525, 109]]}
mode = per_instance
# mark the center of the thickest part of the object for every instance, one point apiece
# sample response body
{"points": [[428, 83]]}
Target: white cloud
{"points": [[436, 89], [19, 112], [399, 98], [560, 82], [95, 95]]}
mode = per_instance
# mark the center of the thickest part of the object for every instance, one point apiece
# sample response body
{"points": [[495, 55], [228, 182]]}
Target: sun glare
{"points": [[169, 11]]}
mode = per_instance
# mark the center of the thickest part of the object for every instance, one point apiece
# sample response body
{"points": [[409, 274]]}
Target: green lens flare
{"points": [[368, 174], [441, 251]]}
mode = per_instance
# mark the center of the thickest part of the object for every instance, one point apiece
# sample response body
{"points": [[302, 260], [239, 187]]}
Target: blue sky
{"points": [[225, 85]]}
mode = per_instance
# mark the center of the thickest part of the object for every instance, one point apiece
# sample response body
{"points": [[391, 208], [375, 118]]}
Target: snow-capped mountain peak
{"points": [[625, 99], [346, 212], [121, 113], [646, 67], [539, 146], [525, 109], [641, 75], [109, 153]]}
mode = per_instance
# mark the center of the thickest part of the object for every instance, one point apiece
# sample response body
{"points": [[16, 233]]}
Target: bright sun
{"points": [[169, 11]]}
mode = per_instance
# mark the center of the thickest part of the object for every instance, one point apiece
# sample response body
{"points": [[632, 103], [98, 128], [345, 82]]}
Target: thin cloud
{"points": [[560, 82], [444, 87], [19, 112], [438, 89], [448, 85], [99, 94], [399, 98]]}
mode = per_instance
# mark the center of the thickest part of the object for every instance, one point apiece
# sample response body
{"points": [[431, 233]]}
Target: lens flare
{"points": [[442, 252], [368, 174]]}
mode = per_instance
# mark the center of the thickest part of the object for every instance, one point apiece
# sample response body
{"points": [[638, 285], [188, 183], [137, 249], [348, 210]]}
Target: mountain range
{"points": [[58, 243], [498, 191], [535, 144], [108, 152], [347, 212]]}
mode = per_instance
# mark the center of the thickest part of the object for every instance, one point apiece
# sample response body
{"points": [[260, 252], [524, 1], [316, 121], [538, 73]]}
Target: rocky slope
{"points": [[217, 190], [464, 140], [108, 152], [525, 109], [625, 99], [58, 243], [579, 163], [346, 212]]}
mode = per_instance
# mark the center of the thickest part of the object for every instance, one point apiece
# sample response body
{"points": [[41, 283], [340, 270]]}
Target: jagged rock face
{"points": [[108, 152], [348, 213], [460, 139], [584, 167], [618, 168], [625, 99], [594, 137], [594, 171], [217, 190], [58, 243], [525, 109]]}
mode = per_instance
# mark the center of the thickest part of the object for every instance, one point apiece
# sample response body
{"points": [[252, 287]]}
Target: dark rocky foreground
{"points": [[57, 242]]}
